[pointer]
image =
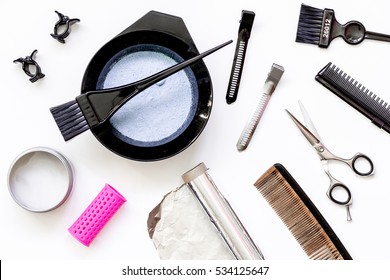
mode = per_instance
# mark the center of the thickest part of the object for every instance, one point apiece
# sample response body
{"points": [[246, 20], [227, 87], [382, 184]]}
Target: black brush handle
{"points": [[98, 106], [353, 32], [377, 36]]}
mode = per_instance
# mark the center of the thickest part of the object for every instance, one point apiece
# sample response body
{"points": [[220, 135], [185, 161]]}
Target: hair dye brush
{"points": [[320, 27], [93, 108]]}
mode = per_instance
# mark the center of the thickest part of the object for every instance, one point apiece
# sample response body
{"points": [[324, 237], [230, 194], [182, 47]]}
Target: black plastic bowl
{"points": [[167, 31]]}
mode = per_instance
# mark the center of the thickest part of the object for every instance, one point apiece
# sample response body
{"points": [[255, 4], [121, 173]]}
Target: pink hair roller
{"points": [[96, 216]]}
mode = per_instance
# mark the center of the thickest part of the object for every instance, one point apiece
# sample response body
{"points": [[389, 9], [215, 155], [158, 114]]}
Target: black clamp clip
{"points": [[64, 23], [31, 67]]}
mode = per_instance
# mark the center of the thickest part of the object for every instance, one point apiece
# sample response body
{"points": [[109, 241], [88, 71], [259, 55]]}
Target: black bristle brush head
{"points": [[69, 119], [314, 26], [309, 25]]}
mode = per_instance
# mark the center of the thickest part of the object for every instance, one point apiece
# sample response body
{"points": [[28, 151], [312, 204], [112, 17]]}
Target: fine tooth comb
{"points": [[356, 95], [93, 108], [270, 84], [320, 27], [244, 32], [300, 215]]}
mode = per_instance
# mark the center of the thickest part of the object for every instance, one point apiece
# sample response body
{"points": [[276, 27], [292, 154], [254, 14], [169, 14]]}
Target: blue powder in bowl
{"points": [[163, 111]]}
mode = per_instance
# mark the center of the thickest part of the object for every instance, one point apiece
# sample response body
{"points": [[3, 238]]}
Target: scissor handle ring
{"points": [[360, 156], [339, 185]]}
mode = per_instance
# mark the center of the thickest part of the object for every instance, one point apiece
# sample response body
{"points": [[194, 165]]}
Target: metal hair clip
{"points": [[64, 23], [29, 64]]}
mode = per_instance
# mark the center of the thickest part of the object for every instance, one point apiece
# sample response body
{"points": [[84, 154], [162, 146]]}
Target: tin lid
{"points": [[194, 173], [40, 179]]}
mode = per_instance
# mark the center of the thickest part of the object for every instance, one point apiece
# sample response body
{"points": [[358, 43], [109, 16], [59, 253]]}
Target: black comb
{"points": [[244, 32], [356, 95]]}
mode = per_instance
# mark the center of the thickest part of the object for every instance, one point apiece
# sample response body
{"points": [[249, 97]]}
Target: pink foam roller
{"points": [[98, 213]]}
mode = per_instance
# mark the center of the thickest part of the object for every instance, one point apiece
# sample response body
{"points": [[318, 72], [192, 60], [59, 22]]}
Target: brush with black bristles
{"points": [[93, 108], [300, 215], [320, 27]]}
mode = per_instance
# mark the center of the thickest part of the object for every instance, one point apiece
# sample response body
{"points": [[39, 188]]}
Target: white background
{"points": [[27, 122]]}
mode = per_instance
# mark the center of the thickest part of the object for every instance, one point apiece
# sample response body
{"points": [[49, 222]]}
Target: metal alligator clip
{"points": [[269, 86]]}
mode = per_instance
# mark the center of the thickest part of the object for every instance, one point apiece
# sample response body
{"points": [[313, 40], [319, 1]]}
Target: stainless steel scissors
{"points": [[325, 156]]}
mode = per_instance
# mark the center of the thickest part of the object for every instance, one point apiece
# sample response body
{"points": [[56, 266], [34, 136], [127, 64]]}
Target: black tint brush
{"points": [[93, 108], [320, 27]]}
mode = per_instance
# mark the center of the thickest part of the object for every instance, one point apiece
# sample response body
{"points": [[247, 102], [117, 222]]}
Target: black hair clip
{"points": [[30, 64], [64, 23]]}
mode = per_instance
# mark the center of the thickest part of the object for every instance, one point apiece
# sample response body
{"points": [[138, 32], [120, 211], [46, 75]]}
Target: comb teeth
{"points": [[300, 215], [70, 120], [357, 95], [309, 25]]}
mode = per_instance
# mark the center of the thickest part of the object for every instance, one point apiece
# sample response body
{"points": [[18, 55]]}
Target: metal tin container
{"points": [[40, 179]]}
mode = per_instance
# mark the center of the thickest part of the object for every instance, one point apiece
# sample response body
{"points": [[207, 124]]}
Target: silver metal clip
{"points": [[270, 84]]}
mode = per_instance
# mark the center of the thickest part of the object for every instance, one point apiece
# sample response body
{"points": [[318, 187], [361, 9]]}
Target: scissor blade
{"points": [[308, 122], [307, 133]]}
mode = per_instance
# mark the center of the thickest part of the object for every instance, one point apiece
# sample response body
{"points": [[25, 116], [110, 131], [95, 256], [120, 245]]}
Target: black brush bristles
{"points": [[310, 25], [300, 215], [70, 120]]}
